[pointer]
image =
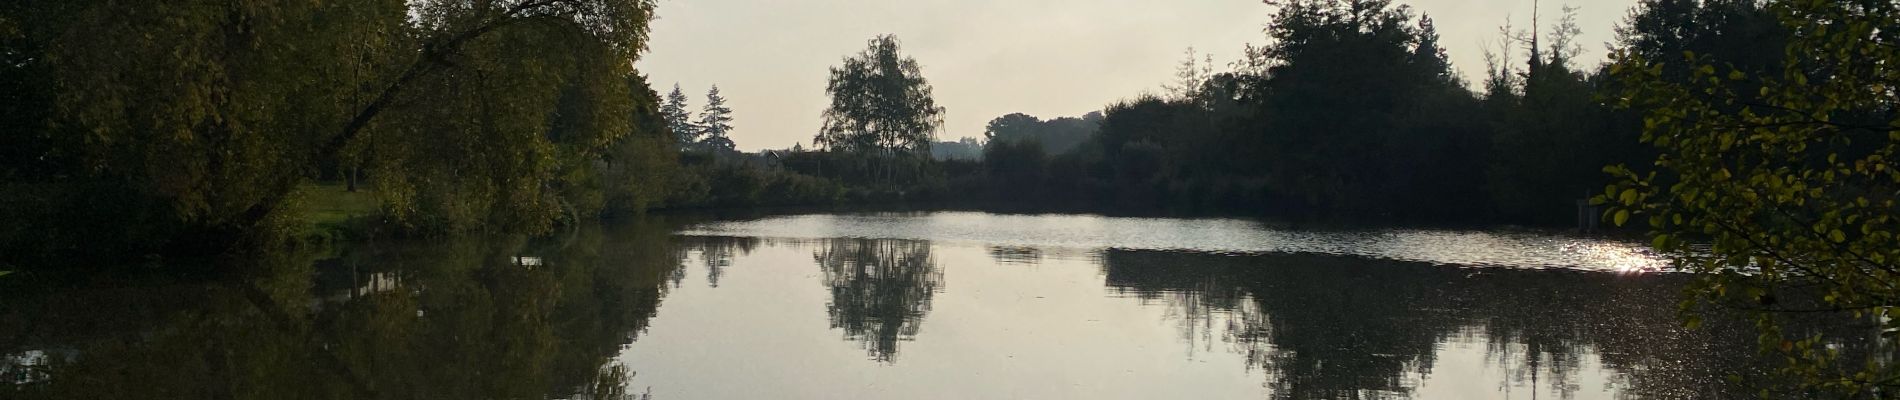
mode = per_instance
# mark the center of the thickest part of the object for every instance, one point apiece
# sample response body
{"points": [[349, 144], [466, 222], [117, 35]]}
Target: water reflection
{"points": [[1500, 248], [580, 316], [1340, 327], [1023, 255], [715, 253], [880, 290], [460, 318]]}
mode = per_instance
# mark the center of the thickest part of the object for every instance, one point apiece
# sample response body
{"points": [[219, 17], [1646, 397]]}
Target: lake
{"points": [[890, 305]]}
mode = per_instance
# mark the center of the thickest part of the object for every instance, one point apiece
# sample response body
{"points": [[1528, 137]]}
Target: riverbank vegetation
{"points": [[451, 117], [456, 118], [140, 128]]}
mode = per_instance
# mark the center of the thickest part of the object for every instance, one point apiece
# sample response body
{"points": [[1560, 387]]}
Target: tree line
{"points": [[138, 125], [457, 118], [1352, 111]]}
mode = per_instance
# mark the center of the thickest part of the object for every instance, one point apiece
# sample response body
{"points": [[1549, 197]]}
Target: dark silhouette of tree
{"points": [[1015, 167], [715, 121], [1428, 55], [1346, 73], [679, 120], [1190, 76], [1015, 126], [880, 103], [1537, 170], [1744, 33], [1055, 136]]}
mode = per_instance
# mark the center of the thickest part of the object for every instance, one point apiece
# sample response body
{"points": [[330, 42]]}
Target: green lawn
{"points": [[330, 207]]}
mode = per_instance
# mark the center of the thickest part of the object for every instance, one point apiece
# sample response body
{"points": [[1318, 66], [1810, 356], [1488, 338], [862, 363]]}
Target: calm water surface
{"points": [[892, 305]]}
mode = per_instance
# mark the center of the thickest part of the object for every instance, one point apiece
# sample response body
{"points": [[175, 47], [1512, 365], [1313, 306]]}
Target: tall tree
{"points": [[1012, 127], [1429, 56], [1344, 75], [639, 167], [222, 110], [1537, 173], [1745, 33], [1192, 73], [678, 119], [880, 103], [715, 121]]}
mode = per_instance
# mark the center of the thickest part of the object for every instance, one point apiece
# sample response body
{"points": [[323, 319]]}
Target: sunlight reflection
{"points": [[1010, 235], [1621, 257]]}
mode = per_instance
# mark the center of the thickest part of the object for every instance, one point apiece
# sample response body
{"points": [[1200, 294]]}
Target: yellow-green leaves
{"points": [[459, 112], [1785, 183]]}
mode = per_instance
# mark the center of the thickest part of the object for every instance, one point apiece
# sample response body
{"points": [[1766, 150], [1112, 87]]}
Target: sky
{"points": [[988, 58]]}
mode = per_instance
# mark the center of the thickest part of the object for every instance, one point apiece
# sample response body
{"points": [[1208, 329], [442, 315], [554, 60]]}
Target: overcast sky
{"points": [[987, 58]]}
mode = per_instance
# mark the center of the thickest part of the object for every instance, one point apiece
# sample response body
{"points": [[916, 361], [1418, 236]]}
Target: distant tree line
{"points": [[875, 145], [1351, 111]]}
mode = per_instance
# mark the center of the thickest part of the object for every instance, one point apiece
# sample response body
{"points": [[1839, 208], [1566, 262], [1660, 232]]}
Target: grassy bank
{"points": [[333, 212]]}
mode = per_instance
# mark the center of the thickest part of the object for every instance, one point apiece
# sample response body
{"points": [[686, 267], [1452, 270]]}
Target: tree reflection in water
{"points": [[454, 318], [1023, 255], [506, 317], [714, 252], [1342, 327], [880, 290]]}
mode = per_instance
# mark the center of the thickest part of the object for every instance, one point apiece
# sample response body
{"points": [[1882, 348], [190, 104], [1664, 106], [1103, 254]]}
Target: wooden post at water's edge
{"points": [[1588, 215]]}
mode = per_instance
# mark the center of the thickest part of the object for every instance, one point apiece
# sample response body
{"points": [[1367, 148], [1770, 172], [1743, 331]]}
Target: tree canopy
{"points": [[715, 121], [219, 113], [678, 119], [880, 103], [1055, 136]]}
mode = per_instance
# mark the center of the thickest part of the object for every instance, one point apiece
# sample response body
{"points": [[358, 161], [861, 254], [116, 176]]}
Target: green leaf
{"points": [[1628, 197], [1621, 217], [1837, 236]]}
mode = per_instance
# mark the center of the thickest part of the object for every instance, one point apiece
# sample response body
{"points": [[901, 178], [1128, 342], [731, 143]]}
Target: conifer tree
{"points": [[678, 119], [715, 121]]}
